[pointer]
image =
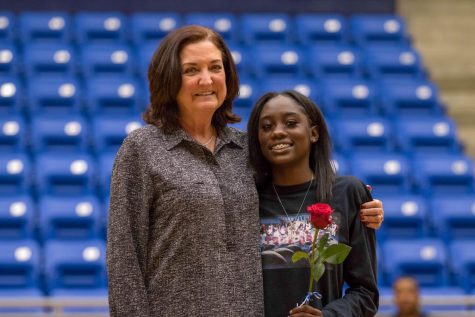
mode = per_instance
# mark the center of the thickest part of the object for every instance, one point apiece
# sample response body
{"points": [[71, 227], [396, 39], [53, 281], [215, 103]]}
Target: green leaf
{"points": [[318, 270], [322, 242], [299, 255], [336, 253]]}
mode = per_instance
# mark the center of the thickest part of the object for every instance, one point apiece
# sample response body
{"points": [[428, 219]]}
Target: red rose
{"points": [[320, 215]]}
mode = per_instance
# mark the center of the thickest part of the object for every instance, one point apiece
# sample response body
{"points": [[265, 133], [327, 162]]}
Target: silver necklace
{"points": [[207, 142], [282, 205]]}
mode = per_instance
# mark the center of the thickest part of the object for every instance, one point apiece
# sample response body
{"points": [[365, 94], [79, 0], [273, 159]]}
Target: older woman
{"points": [[183, 235]]}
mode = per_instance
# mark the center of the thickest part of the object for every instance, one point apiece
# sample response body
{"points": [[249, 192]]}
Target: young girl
{"points": [[290, 149]]}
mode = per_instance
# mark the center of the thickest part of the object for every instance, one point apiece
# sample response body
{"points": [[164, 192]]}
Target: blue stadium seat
{"points": [[378, 29], [58, 96], [244, 113], [394, 62], [111, 59], [340, 164], [19, 265], [453, 216], [444, 174], [45, 27], [333, 61], [249, 91], [427, 135], [113, 96], [265, 27], [74, 265], [223, 23], [7, 26], [49, 59], [273, 60], [65, 174], [242, 57], [150, 28], [69, 218], [16, 217], [302, 85], [15, 174], [145, 53], [410, 98], [311, 28], [405, 217], [424, 259], [106, 163], [100, 27], [110, 132], [349, 98], [462, 263], [387, 173], [13, 134], [370, 134], [9, 59], [11, 94], [66, 133]]}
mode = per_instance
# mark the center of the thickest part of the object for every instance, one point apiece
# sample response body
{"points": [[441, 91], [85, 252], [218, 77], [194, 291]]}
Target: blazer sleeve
{"points": [[131, 197], [362, 296]]}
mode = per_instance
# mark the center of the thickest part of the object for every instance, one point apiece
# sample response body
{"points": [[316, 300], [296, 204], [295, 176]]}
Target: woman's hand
{"points": [[305, 311], [372, 214]]}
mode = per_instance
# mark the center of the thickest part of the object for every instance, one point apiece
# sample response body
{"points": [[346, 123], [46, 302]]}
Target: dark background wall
{"points": [[183, 6]]}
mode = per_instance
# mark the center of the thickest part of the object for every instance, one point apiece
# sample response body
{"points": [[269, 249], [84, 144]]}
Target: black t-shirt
{"points": [[286, 283]]}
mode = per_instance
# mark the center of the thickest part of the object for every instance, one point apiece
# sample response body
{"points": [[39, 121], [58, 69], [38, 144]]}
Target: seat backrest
{"points": [[13, 134], [100, 27], [311, 28], [19, 264], [265, 28], [54, 96], [226, 24], [16, 217], [150, 28], [45, 27], [15, 174]]}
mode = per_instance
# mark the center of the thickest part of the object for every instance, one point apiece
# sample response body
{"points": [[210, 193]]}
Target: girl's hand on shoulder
{"points": [[372, 214], [305, 311]]}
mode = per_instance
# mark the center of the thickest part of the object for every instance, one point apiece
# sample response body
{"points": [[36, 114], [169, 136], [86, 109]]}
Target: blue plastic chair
{"points": [[100, 27], [370, 134], [444, 174], [387, 173], [65, 174], [7, 26], [394, 62], [462, 263], [109, 133], [65, 134], [349, 98], [334, 61], [19, 265], [74, 266], [224, 23], [49, 59], [16, 217], [115, 96], [453, 216], [45, 27], [144, 53], [54, 96], [111, 59], [13, 134], [427, 135], [69, 218], [242, 57], [11, 93], [150, 28], [9, 59], [410, 98], [265, 27], [249, 91], [405, 217], [272, 60], [311, 28], [424, 259], [300, 84], [15, 174], [378, 29]]}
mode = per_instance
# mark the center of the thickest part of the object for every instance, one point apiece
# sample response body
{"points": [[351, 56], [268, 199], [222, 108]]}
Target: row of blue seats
{"points": [[86, 27], [407, 216], [79, 173], [261, 61], [74, 133], [126, 95], [60, 266]]}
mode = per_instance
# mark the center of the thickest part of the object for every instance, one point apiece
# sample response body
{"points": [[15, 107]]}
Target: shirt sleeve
{"points": [[361, 297], [127, 232]]}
